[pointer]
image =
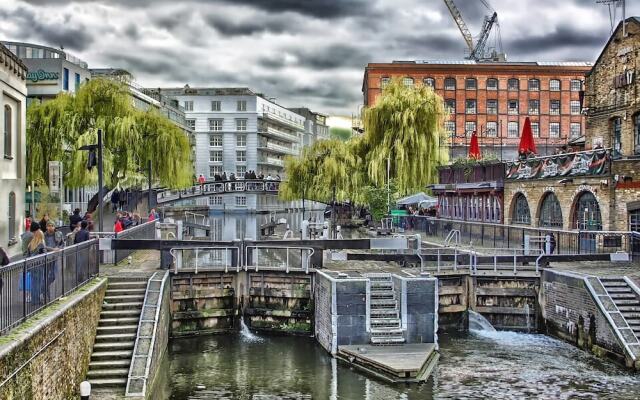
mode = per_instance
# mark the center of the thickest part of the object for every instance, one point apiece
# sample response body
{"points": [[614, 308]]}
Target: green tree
{"points": [[405, 126], [58, 128], [343, 134]]}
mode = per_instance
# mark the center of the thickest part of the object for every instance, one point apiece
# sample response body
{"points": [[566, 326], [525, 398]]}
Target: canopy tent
{"points": [[420, 199]]}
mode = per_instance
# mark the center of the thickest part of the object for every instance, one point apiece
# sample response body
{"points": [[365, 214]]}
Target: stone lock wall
{"points": [[452, 302], [508, 303], [62, 336]]}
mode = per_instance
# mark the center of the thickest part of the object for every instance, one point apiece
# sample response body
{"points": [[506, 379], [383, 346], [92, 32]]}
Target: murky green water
{"points": [[499, 365]]}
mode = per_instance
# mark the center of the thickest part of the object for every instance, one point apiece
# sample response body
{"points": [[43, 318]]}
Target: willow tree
{"points": [[406, 128], [325, 170], [57, 129]]}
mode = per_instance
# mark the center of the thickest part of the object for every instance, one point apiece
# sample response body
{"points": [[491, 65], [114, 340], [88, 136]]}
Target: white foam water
{"points": [[479, 323], [246, 334]]}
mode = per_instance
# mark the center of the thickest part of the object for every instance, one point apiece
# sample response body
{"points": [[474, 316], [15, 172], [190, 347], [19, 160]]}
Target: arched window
{"points": [[430, 82], [384, 82], [550, 212], [513, 84], [407, 81], [492, 84], [554, 85], [534, 85], [450, 84], [12, 216], [470, 84], [7, 131], [586, 214], [616, 128], [521, 212]]}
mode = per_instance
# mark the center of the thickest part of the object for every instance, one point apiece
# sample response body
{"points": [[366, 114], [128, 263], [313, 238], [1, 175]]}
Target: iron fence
{"points": [[146, 230], [28, 285], [481, 234]]}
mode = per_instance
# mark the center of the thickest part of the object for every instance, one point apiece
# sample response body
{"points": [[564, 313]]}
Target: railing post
{"points": [[76, 268], [514, 260], [287, 251], [24, 289], [196, 260], [62, 271], [45, 280]]}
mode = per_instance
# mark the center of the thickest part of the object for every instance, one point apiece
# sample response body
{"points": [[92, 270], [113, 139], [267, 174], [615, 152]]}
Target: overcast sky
{"points": [[303, 52]]}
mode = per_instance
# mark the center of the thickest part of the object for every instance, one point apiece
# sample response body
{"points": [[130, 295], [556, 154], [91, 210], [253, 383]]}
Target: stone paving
{"points": [[142, 262]]}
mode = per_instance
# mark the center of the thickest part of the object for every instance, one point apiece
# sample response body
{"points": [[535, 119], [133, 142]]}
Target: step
{"points": [[126, 292], [124, 298], [630, 315], [611, 282], [385, 323], [108, 364], [383, 303], [127, 321], [383, 294], [108, 382], [120, 313], [618, 289], [633, 321], [130, 278], [113, 346], [122, 306], [630, 302], [117, 328], [381, 285], [108, 373], [384, 313], [106, 355], [629, 308], [387, 340], [116, 337], [616, 296], [386, 331], [127, 285]]}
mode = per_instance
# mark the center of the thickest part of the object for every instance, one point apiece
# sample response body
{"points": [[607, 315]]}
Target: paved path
{"points": [[143, 262]]}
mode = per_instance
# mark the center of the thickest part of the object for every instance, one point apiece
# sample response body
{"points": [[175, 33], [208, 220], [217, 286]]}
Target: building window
{"points": [[241, 170], [554, 107], [554, 129], [587, 213], [492, 129], [242, 105], [215, 156], [550, 212], [534, 85], [215, 105], [450, 84], [77, 85], [576, 85], [575, 129], [470, 107], [241, 140], [492, 84], [492, 107], [554, 85], [65, 79], [513, 84], [430, 82], [535, 129], [241, 124], [470, 84], [215, 200], [191, 124], [241, 201], [575, 107], [8, 131], [450, 127], [384, 82], [512, 129], [188, 105], [12, 216], [215, 125], [512, 107], [215, 170], [241, 156], [407, 81], [469, 127], [521, 212], [534, 107], [636, 134], [617, 136], [215, 140], [450, 105]]}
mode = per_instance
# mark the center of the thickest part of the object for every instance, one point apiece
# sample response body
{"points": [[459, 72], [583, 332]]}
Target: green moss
{"points": [[300, 326]]}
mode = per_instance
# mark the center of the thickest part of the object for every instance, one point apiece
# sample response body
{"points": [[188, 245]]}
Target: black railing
{"points": [[28, 285], [220, 187], [488, 235], [146, 230]]}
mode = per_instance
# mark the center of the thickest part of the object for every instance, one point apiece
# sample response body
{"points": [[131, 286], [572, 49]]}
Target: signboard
{"points": [[594, 162], [624, 79], [55, 176], [42, 75]]}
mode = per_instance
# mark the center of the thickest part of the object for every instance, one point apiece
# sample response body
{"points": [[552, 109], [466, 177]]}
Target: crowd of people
{"points": [[251, 174]]}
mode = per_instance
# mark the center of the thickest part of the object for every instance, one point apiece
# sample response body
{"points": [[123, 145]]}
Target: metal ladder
{"points": [[385, 323]]}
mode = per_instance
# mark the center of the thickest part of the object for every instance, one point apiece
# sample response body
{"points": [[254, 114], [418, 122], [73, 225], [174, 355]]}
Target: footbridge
{"points": [[212, 188]]}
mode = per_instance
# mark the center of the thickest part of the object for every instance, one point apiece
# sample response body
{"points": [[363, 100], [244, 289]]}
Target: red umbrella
{"points": [[474, 147], [526, 140]]}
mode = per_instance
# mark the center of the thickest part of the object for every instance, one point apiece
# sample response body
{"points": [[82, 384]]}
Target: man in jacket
{"points": [[53, 239], [83, 234], [75, 219]]}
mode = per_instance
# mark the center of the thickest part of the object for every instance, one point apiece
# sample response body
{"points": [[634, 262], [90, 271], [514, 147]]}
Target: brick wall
{"points": [[56, 372]]}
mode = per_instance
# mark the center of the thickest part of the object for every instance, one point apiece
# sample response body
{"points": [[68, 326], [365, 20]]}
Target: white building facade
{"points": [[13, 106]]}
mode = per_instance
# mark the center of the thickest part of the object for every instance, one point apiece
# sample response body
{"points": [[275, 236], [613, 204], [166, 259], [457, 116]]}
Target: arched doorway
{"points": [[550, 212], [586, 217], [521, 213]]}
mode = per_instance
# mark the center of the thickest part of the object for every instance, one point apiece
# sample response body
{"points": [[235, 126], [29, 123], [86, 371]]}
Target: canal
{"points": [[488, 365]]}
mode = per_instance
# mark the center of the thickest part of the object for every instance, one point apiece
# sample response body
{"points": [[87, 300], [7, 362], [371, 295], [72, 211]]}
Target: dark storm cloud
{"points": [[333, 56], [230, 27], [562, 37], [48, 32]]}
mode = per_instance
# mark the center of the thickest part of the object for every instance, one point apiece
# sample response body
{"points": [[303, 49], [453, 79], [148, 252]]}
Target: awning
{"points": [[419, 198]]}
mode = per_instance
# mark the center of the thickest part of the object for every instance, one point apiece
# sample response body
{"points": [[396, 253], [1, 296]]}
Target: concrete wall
{"points": [[571, 314], [51, 351], [324, 320], [419, 309]]}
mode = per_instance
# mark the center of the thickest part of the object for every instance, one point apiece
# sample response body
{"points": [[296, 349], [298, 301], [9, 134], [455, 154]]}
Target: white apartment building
{"points": [[13, 117], [237, 130]]}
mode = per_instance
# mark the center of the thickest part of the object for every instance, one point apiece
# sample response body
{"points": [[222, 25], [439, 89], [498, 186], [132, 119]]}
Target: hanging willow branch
{"points": [[58, 128]]}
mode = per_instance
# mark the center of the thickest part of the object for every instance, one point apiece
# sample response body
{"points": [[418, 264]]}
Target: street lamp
{"points": [[90, 164]]}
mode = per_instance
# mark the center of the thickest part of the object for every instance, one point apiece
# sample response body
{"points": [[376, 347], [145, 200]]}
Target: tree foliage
{"points": [[58, 128]]}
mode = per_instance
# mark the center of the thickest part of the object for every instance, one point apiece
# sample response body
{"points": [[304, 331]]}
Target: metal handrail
{"points": [[195, 217], [287, 248], [454, 233], [226, 249]]}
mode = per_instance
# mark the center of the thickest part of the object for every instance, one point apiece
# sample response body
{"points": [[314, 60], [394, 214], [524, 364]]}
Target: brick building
{"points": [[495, 98]]}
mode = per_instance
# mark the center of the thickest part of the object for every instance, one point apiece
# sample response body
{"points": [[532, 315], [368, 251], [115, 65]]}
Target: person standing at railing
{"points": [[27, 236], [36, 247], [74, 219], [201, 181], [83, 234], [4, 260], [44, 221], [54, 241]]}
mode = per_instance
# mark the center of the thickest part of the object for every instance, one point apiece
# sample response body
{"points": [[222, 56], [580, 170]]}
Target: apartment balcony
{"points": [[270, 115], [271, 161], [276, 148], [278, 134]]}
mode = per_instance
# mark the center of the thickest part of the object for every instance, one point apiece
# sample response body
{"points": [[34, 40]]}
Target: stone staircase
{"points": [[116, 334], [626, 299], [386, 328]]}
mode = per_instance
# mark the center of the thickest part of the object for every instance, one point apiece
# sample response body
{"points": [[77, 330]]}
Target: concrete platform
{"points": [[403, 363]]}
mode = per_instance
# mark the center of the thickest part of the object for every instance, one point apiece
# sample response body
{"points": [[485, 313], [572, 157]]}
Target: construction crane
{"points": [[477, 51]]}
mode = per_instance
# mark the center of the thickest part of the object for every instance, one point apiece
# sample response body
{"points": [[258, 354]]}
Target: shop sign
{"points": [[55, 175], [624, 79], [562, 165], [42, 75]]}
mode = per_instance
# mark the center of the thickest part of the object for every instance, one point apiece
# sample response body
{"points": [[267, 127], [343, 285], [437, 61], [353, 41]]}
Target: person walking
{"points": [[153, 215], [75, 219], [115, 198], [36, 247]]}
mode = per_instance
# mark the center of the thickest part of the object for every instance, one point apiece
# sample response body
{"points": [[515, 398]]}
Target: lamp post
{"points": [[92, 148]]}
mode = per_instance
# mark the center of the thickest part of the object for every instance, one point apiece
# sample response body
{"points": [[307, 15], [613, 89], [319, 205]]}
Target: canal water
{"points": [[476, 365]]}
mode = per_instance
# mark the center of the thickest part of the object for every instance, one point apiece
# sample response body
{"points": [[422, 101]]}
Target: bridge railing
{"points": [[28, 285], [215, 258], [285, 258], [220, 187]]}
